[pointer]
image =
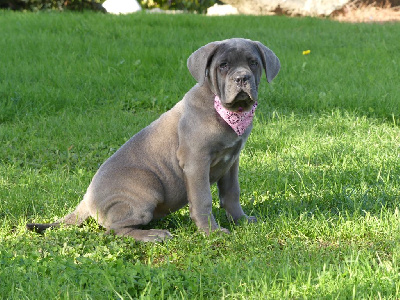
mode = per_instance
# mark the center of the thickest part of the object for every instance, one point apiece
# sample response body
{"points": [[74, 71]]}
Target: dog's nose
{"points": [[241, 80]]}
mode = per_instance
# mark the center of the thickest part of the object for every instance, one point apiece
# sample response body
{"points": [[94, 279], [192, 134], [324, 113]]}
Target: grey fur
{"points": [[175, 159]]}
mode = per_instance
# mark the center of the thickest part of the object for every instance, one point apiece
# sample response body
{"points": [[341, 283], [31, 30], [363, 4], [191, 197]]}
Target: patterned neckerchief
{"points": [[238, 120]]}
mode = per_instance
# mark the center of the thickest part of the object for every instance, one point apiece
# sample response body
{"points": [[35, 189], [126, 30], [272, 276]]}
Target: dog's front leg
{"points": [[196, 173], [229, 194]]}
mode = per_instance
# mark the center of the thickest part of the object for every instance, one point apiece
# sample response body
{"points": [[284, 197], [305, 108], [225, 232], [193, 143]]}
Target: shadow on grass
{"points": [[342, 176]]}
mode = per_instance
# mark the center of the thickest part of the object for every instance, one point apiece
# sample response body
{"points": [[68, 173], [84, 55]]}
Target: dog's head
{"points": [[233, 69]]}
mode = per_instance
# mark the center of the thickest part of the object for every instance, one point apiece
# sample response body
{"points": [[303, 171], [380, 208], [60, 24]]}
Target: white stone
{"points": [[121, 6], [222, 10]]}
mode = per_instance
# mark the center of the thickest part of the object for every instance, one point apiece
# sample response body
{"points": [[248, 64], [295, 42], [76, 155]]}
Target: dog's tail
{"points": [[40, 228], [77, 217]]}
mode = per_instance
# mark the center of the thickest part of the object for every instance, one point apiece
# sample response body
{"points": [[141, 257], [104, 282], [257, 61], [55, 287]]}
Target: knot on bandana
{"points": [[237, 120]]}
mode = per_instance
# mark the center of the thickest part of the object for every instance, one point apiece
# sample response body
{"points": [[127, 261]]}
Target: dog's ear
{"points": [[271, 62], [199, 61]]}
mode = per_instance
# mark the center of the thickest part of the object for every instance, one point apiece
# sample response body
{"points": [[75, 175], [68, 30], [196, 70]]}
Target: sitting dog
{"points": [[175, 159]]}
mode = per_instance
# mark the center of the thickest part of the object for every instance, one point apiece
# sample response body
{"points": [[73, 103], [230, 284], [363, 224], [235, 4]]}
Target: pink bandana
{"points": [[239, 121]]}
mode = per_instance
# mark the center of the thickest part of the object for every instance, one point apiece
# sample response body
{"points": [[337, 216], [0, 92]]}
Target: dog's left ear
{"points": [[199, 61], [270, 61]]}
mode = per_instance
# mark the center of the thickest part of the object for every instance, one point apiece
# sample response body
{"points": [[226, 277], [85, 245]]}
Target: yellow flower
{"points": [[306, 52]]}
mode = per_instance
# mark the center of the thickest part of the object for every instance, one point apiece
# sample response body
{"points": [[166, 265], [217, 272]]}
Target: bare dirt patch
{"points": [[364, 12]]}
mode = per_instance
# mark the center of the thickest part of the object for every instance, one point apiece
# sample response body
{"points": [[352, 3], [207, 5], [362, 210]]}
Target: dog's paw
{"points": [[251, 219], [151, 235], [246, 220], [217, 230], [157, 235], [224, 230]]}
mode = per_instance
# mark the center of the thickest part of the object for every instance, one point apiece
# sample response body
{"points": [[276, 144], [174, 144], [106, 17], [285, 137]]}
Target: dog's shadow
{"points": [[309, 185]]}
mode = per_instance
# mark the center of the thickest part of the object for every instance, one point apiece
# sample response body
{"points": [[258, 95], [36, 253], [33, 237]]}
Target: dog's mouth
{"points": [[242, 102]]}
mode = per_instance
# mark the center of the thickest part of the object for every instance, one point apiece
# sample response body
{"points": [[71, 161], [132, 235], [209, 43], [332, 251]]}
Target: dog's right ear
{"points": [[200, 60]]}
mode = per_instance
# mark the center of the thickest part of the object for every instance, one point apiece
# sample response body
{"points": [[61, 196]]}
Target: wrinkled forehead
{"points": [[235, 51]]}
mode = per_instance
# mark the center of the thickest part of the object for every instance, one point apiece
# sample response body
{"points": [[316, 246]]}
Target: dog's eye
{"points": [[223, 66], [253, 63]]}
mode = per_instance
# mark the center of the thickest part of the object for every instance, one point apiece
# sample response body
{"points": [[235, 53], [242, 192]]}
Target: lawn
{"points": [[321, 169]]}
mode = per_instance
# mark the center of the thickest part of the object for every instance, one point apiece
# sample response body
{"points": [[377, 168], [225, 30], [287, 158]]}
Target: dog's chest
{"points": [[223, 159]]}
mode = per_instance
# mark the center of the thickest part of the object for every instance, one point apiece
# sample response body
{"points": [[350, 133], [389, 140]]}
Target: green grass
{"points": [[321, 169]]}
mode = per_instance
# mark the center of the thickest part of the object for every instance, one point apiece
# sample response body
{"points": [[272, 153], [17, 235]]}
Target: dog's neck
{"points": [[238, 121]]}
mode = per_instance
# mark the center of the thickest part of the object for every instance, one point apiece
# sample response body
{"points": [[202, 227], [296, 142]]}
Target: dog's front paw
{"points": [[251, 219], [246, 220], [224, 230], [218, 229]]}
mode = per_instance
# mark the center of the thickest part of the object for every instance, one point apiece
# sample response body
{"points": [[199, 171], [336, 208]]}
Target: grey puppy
{"points": [[175, 159]]}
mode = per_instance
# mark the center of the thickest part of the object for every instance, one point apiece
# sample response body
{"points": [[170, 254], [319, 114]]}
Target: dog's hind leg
{"points": [[77, 217], [125, 220]]}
